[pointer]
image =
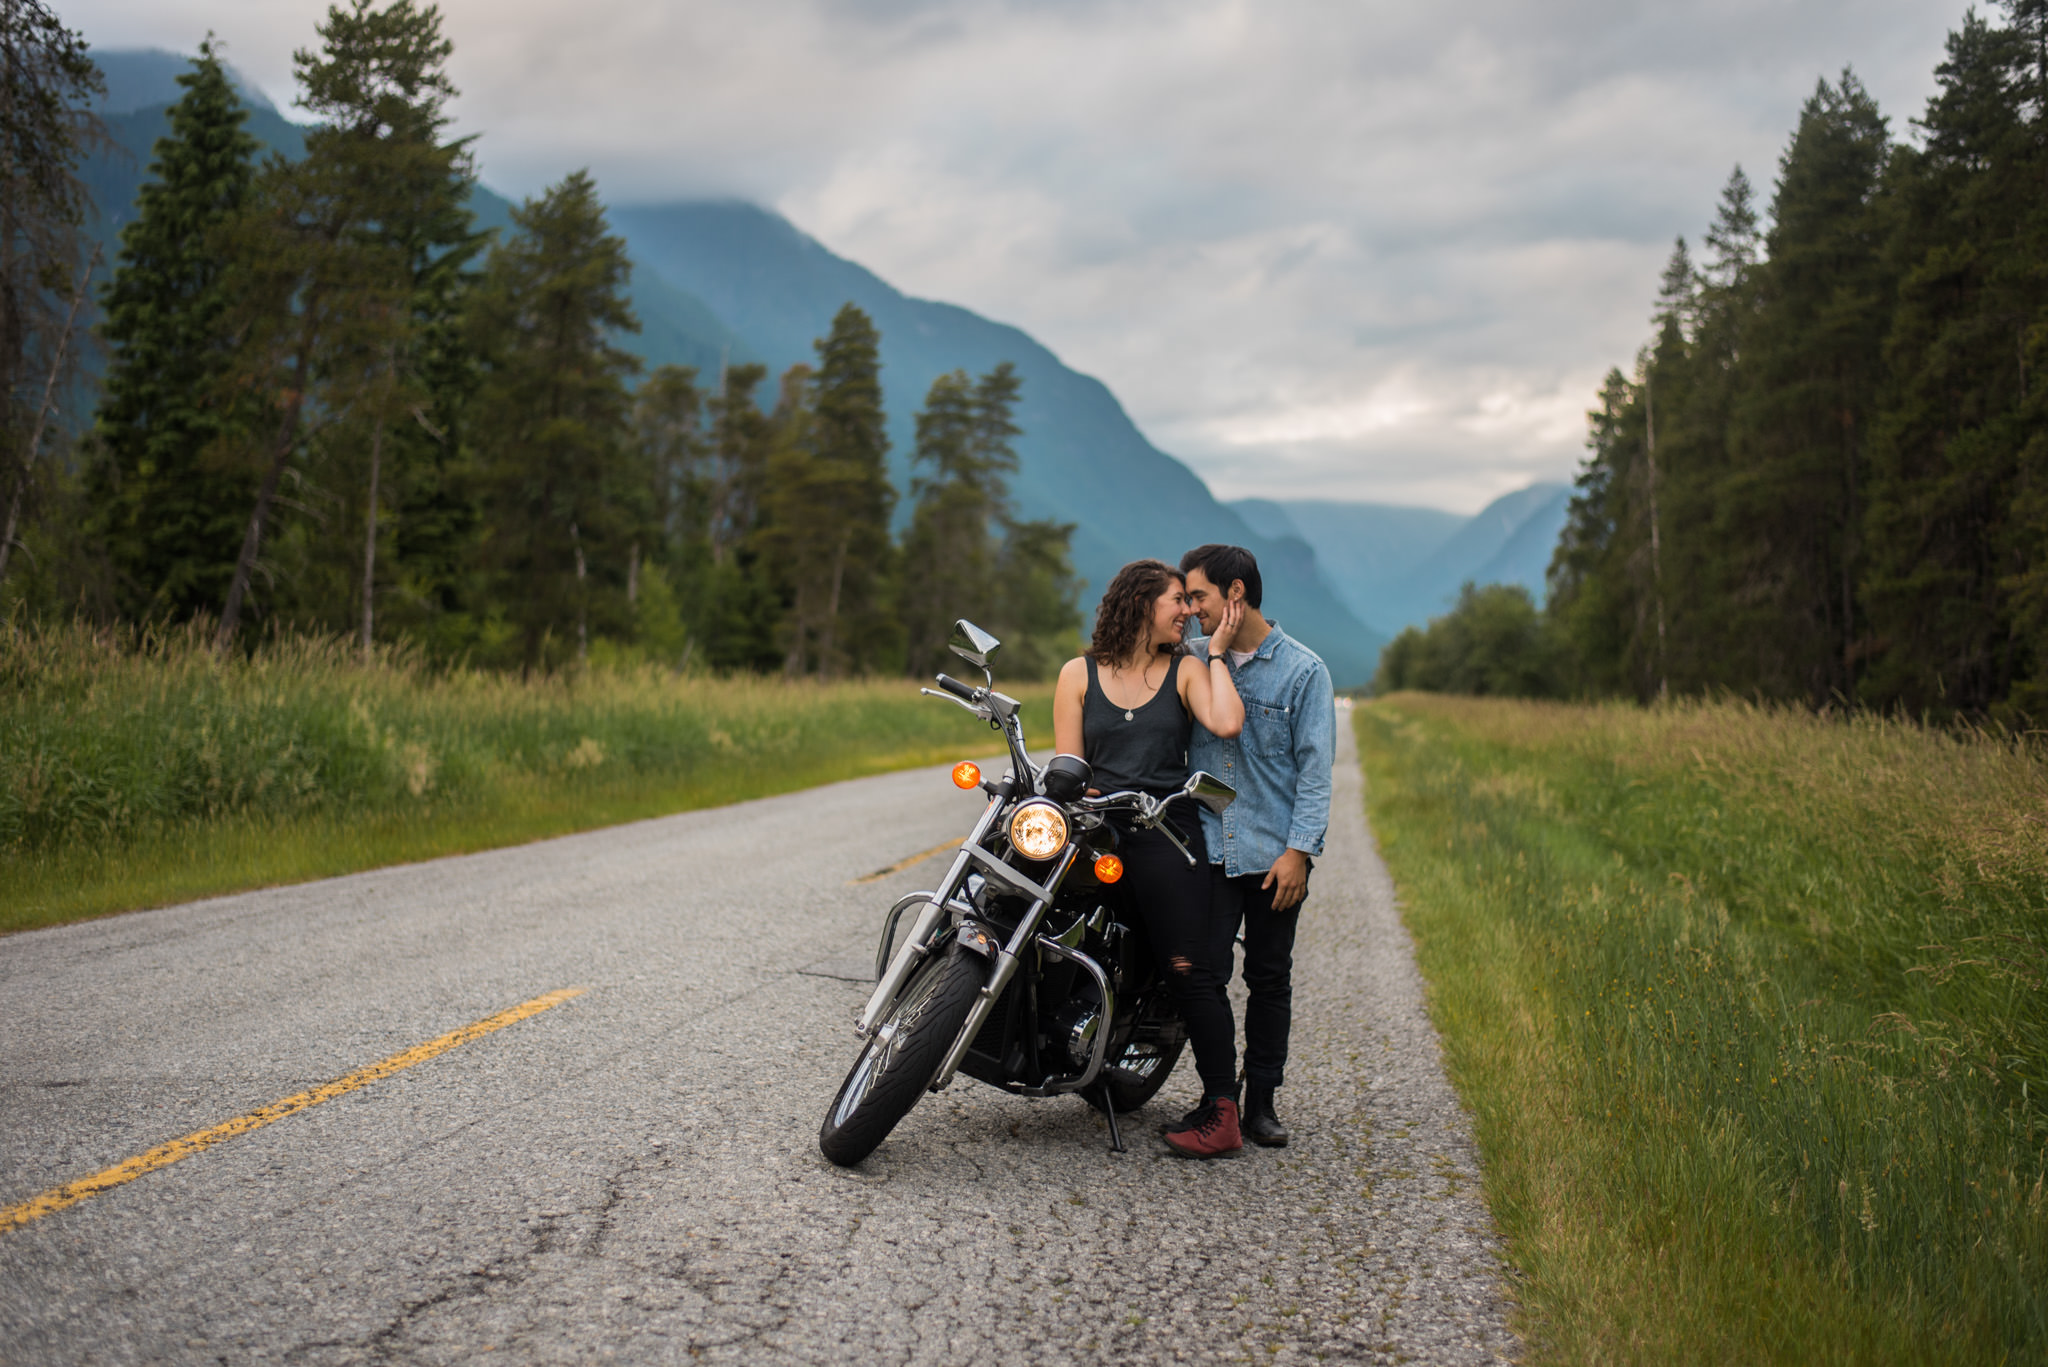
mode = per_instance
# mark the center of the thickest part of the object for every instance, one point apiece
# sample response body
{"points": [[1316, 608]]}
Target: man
{"points": [[1262, 847]]}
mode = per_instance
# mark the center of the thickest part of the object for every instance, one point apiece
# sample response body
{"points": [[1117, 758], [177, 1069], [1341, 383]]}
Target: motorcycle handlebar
{"points": [[1148, 807], [956, 688]]}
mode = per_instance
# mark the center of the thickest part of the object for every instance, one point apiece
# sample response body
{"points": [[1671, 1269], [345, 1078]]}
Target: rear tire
{"points": [[1136, 1073], [903, 1055]]}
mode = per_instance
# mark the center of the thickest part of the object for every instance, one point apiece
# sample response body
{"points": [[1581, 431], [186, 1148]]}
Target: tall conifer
{"points": [[334, 259], [1793, 509], [830, 509], [1958, 524], [47, 82], [551, 420], [168, 510]]}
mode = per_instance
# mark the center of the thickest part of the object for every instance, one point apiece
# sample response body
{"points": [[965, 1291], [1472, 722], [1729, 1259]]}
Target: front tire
{"points": [[903, 1055]]}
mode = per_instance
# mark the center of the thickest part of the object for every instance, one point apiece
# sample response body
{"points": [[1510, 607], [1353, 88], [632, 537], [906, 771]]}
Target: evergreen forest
{"points": [[309, 395], [1825, 478]]}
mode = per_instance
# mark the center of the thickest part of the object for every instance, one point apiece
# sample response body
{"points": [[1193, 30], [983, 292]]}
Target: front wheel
{"points": [[903, 1055]]}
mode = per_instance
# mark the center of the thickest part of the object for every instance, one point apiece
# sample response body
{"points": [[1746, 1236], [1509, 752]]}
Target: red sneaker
{"points": [[1212, 1133]]}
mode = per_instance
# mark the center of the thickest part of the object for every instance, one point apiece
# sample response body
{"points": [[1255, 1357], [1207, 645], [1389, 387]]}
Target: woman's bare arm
{"points": [[1069, 695]]}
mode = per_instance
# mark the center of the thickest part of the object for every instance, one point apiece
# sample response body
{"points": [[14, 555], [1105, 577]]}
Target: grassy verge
{"points": [[138, 773], [1751, 1010]]}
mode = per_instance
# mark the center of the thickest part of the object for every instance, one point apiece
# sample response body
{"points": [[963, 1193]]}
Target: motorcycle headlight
{"points": [[1038, 830]]}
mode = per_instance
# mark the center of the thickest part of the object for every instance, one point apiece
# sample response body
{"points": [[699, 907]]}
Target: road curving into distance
{"points": [[583, 1086]]}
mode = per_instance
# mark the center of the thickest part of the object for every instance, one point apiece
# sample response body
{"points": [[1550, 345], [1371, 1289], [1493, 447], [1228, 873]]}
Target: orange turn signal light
{"points": [[1108, 868], [966, 774]]}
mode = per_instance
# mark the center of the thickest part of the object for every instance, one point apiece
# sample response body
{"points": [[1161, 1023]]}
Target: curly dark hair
{"points": [[1126, 605]]}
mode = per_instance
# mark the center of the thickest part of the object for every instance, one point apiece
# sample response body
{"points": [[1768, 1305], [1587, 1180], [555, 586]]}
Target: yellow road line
{"points": [[900, 865], [163, 1155]]}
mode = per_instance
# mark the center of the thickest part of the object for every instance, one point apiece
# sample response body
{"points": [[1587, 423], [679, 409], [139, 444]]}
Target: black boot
{"points": [[1261, 1126]]}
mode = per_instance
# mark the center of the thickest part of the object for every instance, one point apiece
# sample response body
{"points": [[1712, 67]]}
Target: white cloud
{"points": [[1358, 249]]}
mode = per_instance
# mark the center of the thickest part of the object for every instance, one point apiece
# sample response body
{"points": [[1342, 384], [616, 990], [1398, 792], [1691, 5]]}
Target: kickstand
{"points": [[1116, 1138]]}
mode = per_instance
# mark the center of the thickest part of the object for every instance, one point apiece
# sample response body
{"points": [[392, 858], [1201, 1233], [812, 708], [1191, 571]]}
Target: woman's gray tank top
{"points": [[1145, 747]]}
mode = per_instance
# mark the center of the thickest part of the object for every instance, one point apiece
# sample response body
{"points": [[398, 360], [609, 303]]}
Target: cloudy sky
{"points": [[1362, 250]]}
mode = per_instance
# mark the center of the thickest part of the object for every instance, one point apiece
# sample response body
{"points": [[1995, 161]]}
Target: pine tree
{"points": [[168, 514], [1590, 598], [46, 127], [1792, 509], [668, 419], [961, 493], [551, 420], [738, 607], [965, 553], [671, 548], [828, 527], [1704, 640], [739, 462], [335, 288], [1958, 521], [379, 81], [1036, 611]]}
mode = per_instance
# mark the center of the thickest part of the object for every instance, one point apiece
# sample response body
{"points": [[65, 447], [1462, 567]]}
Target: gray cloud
{"points": [[1363, 250]]}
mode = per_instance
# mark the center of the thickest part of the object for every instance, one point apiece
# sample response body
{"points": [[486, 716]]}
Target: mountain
{"points": [[1082, 459], [147, 78], [720, 281], [1525, 558], [1398, 566], [675, 327], [1367, 550], [1480, 551]]}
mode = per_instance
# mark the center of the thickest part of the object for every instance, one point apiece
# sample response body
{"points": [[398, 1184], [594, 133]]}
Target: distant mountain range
{"points": [[1397, 566], [722, 281]]}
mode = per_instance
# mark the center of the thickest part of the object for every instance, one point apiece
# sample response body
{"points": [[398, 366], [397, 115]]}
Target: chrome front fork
{"points": [[918, 943], [1009, 956]]}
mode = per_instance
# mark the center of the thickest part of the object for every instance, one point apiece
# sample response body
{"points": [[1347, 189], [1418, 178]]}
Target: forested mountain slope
{"points": [[725, 281], [1083, 460], [1397, 566]]}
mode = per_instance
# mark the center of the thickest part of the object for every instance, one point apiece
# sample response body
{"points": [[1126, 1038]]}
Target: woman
{"points": [[1128, 707]]}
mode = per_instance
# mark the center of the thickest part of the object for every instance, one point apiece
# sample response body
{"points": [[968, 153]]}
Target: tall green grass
{"points": [[137, 770], [1751, 1009]]}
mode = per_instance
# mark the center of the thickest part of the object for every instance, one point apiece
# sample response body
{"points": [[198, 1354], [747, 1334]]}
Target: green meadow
{"points": [[1750, 1008], [141, 770]]}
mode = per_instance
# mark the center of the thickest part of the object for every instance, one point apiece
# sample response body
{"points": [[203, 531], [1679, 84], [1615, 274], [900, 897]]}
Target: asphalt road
{"points": [[634, 1175]]}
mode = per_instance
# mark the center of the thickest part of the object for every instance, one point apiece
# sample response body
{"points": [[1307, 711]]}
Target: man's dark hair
{"points": [[1222, 564]]}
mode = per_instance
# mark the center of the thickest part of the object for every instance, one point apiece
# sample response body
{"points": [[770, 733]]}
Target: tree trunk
{"points": [[582, 599], [633, 575], [370, 539], [1656, 543], [828, 643], [252, 540], [35, 438], [1850, 523]]}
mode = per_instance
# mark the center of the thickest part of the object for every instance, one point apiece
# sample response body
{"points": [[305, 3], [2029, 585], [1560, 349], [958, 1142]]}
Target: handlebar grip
{"points": [[956, 688]]}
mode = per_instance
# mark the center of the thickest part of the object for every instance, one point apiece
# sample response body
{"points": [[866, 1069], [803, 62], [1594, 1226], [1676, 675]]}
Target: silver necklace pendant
{"points": [[1130, 715]]}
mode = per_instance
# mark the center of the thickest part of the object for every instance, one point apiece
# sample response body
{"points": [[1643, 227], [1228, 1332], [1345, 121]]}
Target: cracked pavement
{"points": [[634, 1174]]}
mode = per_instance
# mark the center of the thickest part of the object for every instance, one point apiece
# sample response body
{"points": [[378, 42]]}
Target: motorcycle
{"points": [[1023, 968]]}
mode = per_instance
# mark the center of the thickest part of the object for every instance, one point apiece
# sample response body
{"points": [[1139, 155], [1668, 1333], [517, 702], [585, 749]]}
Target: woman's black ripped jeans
{"points": [[1174, 906]]}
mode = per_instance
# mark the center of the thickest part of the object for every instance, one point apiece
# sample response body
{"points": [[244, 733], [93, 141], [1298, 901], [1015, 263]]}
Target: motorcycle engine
{"points": [[1073, 1029]]}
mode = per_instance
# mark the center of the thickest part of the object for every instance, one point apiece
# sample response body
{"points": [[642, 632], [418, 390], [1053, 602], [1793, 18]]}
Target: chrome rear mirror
{"points": [[1209, 790], [972, 644]]}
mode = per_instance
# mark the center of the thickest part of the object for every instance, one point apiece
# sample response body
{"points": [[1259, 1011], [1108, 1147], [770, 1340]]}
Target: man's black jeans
{"points": [[1268, 970]]}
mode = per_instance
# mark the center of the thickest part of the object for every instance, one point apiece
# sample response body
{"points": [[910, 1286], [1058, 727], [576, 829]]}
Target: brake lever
{"points": [[962, 703], [1168, 832]]}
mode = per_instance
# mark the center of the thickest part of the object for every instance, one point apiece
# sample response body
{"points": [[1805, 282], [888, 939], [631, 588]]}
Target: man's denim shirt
{"points": [[1280, 765]]}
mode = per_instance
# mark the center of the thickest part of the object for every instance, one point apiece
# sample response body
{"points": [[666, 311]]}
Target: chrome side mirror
{"points": [[972, 644], [1209, 790]]}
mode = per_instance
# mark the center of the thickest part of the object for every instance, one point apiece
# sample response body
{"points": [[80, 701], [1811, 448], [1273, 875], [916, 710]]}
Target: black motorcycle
{"points": [[1023, 968]]}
